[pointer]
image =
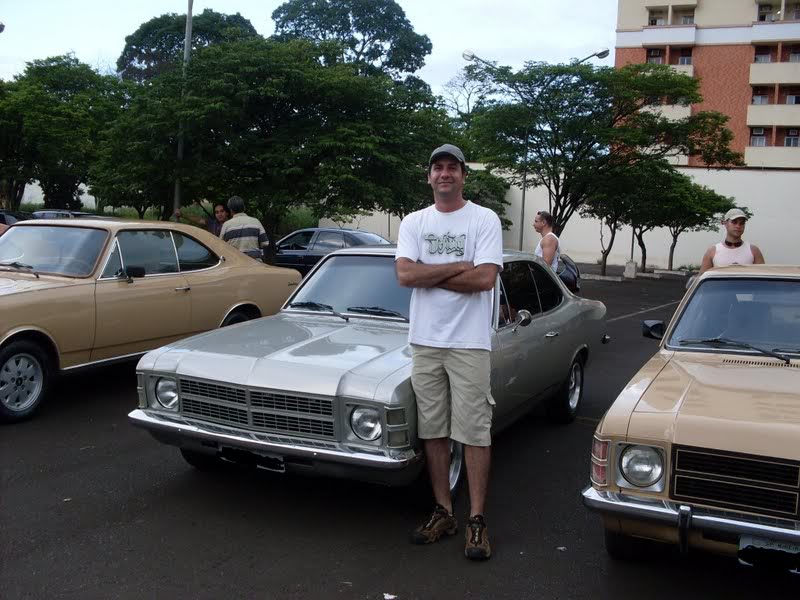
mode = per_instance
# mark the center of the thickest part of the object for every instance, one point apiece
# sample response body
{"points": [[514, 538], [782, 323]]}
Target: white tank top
{"points": [[538, 252], [743, 255]]}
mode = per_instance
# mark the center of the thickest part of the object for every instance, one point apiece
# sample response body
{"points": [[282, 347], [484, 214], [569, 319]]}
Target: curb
{"points": [[679, 274], [591, 276], [649, 276]]}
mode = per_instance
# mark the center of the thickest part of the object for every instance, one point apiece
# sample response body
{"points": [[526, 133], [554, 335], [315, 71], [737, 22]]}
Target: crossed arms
{"points": [[461, 277]]}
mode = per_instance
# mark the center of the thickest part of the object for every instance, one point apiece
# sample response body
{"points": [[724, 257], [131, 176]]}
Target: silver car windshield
{"points": [[356, 284], [70, 251], [730, 314]]}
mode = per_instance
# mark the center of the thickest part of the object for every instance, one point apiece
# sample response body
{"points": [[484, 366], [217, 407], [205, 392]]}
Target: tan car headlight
{"points": [[366, 423], [167, 392], [641, 466]]}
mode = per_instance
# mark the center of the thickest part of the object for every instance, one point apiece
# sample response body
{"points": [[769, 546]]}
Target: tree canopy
{"points": [[570, 127], [157, 45], [374, 34]]}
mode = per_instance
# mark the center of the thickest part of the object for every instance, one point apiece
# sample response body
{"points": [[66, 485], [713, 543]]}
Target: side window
{"points": [[299, 241], [192, 255], [520, 291], [549, 292], [114, 264], [152, 250], [328, 241], [351, 240]]}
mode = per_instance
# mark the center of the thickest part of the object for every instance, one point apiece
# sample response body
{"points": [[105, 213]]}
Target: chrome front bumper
{"points": [[332, 459], [686, 518]]}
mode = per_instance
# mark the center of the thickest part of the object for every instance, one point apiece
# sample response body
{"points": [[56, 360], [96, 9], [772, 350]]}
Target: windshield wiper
{"points": [[18, 265], [734, 344], [376, 310], [318, 306]]}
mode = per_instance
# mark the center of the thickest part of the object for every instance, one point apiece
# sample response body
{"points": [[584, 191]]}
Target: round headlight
{"points": [[167, 392], [366, 423], [641, 466]]}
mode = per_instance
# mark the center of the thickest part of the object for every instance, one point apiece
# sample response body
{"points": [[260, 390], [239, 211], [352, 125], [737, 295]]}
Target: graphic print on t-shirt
{"points": [[448, 243]]}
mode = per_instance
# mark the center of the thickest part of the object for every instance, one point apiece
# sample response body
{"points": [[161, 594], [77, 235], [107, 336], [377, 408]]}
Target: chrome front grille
{"points": [[756, 484], [258, 409]]}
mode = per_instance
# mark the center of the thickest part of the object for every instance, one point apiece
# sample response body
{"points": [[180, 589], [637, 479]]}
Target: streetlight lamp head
{"points": [[468, 55], [603, 53]]}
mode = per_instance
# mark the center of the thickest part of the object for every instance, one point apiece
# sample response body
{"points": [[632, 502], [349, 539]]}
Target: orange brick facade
{"points": [[724, 74]]}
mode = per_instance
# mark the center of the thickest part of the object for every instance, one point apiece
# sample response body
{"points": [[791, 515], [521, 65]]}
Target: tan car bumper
{"points": [[687, 521]]}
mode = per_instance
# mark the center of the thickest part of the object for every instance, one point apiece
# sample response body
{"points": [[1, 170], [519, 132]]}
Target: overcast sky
{"points": [[508, 31]]}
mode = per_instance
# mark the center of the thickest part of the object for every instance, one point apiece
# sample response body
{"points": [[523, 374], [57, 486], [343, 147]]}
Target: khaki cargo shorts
{"points": [[453, 394]]}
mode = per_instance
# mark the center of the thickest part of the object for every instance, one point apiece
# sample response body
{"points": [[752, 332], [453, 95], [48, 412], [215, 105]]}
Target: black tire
{"points": [[25, 373], [201, 461], [625, 548], [563, 407], [237, 316]]}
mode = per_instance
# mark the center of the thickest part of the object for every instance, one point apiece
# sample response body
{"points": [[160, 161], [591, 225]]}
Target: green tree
{"points": [[55, 113], [156, 47], [568, 127], [694, 207], [489, 190], [374, 34]]}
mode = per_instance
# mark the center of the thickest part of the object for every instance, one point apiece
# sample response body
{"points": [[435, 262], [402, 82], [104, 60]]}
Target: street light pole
{"points": [[187, 50], [470, 56]]}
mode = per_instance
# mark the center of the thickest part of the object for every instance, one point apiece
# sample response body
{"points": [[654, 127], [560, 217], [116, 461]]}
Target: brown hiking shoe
{"points": [[438, 524], [477, 547]]}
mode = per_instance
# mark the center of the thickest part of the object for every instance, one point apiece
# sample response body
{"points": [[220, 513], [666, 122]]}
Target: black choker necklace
{"points": [[733, 244]]}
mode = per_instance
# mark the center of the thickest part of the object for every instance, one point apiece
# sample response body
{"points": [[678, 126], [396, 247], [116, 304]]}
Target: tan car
{"points": [[81, 292], [701, 450]]}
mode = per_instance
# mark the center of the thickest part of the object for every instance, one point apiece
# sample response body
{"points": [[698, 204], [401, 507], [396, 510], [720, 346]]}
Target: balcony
{"points": [[772, 156], [674, 35], [772, 73], [685, 69], [673, 112], [767, 115], [776, 31]]}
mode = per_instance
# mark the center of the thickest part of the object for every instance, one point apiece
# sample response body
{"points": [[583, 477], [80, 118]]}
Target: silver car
{"points": [[324, 386]]}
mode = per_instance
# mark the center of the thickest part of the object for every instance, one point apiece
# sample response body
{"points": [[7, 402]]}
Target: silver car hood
{"points": [[302, 353]]}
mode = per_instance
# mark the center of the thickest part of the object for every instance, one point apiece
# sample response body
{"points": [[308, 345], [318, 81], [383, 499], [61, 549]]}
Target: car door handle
{"points": [[551, 334], [183, 289]]}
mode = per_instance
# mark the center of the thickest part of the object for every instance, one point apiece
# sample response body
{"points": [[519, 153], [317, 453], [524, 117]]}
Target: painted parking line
{"points": [[641, 312], [587, 421]]}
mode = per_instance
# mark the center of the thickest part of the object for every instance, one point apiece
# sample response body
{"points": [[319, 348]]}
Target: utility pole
{"points": [[187, 51]]}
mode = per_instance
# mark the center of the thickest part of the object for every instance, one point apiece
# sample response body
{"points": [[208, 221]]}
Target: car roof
{"points": [[109, 224], [390, 249], [753, 271]]}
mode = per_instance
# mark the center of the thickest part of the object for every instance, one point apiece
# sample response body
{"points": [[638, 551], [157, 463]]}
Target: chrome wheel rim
{"points": [[575, 386], [21, 381], [456, 463]]}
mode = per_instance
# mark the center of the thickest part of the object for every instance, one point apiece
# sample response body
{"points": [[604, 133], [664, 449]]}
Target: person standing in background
{"points": [[549, 247]]}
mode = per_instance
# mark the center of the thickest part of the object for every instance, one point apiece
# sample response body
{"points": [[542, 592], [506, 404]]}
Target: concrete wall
{"points": [[772, 196]]}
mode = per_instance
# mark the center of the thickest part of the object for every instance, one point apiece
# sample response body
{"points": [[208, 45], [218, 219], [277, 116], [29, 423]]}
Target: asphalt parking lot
{"points": [[92, 508]]}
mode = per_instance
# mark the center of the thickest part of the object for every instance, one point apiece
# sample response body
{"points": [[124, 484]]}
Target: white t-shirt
{"points": [[442, 318]]}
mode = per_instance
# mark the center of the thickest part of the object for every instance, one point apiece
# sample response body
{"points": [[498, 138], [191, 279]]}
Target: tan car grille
{"points": [[756, 484], [258, 409]]}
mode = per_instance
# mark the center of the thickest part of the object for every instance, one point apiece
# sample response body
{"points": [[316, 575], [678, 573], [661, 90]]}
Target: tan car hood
{"points": [[15, 283], [699, 400]]}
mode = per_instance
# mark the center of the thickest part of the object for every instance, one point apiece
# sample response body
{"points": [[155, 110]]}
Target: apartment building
{"points": [[747, 56]]}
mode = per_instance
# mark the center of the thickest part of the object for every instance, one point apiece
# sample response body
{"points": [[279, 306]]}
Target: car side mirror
{"points": [[134, 271], [524, 318], [653, 329]]}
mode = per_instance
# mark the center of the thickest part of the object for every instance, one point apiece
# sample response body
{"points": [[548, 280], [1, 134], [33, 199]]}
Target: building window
{"points": [[687, 19], [763, 58], [796, 14], [760, 99], [794, 56], [793, 99], [757, 137], [792, 139], [654, 56], [766, 13], [657, 17], [685, 60]]}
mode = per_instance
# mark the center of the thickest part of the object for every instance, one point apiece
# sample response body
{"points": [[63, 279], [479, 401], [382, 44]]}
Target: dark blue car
{"points": [[303, 248]]}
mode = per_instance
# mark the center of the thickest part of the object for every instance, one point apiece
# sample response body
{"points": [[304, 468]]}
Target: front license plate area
{"points": [[759, 552], [268, 462]]}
